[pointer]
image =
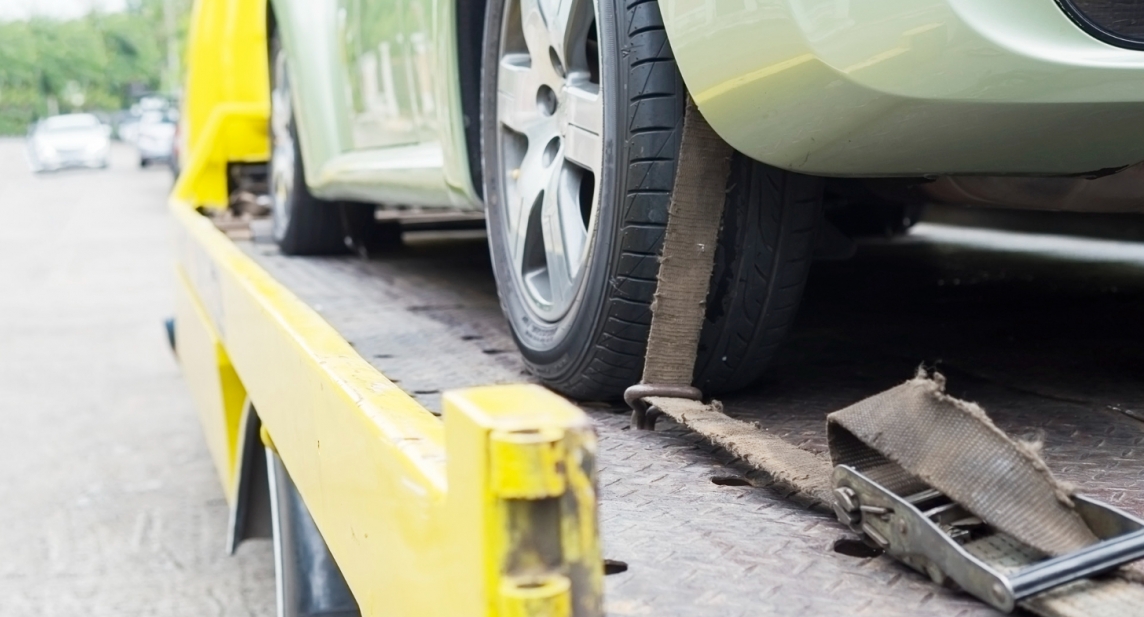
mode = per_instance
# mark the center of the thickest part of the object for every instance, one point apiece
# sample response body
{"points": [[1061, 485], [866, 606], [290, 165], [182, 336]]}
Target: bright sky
{"points": [[60, 9]]}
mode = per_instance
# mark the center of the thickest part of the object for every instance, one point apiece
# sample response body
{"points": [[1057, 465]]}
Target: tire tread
{"points": [[760, 267], [655, 94]]}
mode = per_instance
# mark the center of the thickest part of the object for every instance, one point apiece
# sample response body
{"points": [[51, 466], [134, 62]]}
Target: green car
{"points": [[561, 119]]}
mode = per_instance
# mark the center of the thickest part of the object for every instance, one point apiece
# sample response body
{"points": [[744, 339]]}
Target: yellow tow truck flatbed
{"points": [[444, 481], [350, 358]]}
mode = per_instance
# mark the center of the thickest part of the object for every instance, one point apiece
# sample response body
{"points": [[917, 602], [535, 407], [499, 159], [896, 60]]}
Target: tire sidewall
{"points": [[557, 349], [280, 225]]}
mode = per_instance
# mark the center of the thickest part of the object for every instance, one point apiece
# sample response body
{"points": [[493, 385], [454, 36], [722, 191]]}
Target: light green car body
{"points": [[853, 88], [377, 103]]}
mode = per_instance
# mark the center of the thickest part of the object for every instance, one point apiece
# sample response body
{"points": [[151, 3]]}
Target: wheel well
{"points": [[470, 46], [250, 513]]}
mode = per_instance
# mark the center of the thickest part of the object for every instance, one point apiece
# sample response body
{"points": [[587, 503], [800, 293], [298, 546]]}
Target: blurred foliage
{"points": [[100, 62]]}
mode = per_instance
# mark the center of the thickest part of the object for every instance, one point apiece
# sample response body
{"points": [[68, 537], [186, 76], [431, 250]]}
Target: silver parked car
{"points": [[155, 137], [71, 140]]}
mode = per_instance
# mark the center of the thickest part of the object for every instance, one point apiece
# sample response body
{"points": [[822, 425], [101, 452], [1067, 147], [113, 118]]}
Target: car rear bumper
{"points": [[910, 87], [154, 151], [58, 164], [155, 155]]}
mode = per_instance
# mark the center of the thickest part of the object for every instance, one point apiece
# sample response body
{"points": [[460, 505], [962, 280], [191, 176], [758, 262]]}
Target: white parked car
{"points": [[155, 138], [71, 140]]}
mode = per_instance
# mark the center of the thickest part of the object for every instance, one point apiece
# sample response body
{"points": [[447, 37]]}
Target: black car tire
{"points": [[762, 261], [304, 224], [596, 349]]}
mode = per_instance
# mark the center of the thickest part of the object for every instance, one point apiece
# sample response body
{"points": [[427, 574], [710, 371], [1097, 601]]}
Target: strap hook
{"points": [[644, 415]]}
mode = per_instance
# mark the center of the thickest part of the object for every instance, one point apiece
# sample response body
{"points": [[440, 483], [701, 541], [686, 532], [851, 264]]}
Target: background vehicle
{"points": [[563, 121], [72, 140], [124, 124], [176, 150], [127, 122], [127, 126], [155, 137]]}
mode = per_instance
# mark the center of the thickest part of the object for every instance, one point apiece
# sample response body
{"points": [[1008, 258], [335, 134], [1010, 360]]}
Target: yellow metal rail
{"points": [[424, 517], [490, 512], [226, 105]]}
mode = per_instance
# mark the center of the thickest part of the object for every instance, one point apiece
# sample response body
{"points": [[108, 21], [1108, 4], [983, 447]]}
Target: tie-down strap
{"points": [[925, 476], [998, 508], [917, 434], [915, 437], [685, 264]]}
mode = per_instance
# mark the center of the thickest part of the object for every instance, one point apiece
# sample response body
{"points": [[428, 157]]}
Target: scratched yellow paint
{"points": [[424, 517], [408, 504], [214, 385]]}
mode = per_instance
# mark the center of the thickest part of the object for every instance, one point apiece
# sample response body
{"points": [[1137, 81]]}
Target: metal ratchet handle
{"points": [[1088, 561], [897, 525]]}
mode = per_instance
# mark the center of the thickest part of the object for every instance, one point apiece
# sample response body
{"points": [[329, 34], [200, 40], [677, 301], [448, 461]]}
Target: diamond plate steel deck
{"points": [[1039, 342]]}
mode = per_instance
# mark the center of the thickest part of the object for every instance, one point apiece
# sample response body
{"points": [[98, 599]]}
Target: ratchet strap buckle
{"points": [[930, 532]]}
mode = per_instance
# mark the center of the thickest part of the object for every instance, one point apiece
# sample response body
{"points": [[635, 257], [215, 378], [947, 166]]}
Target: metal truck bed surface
{"points": [[700, 534]]}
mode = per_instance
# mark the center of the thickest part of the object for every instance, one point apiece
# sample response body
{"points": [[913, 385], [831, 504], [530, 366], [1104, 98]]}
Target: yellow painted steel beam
{"points": [[217, 392], [522, 502], [226, 105], [423, 517]]}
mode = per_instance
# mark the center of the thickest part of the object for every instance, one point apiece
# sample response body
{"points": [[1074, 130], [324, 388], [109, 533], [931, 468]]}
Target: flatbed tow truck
{"points": [[444, 483]]}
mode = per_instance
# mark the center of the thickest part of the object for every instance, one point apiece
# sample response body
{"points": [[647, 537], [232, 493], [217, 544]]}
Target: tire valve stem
{"points": [[515, 174]]}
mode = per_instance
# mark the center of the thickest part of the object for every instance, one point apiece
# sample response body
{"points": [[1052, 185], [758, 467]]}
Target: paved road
{"points": [[109, 505]]}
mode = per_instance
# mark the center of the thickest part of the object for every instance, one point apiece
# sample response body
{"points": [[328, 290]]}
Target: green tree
{"points": [[94, 63]]}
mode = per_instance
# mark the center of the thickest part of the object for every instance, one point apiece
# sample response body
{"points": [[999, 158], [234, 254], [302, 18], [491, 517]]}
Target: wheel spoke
{"points": [[550, 115], [281, 107], [568, 23], [531, 179], [283, 156], [584, 119], [516, 93], [528, 7], [279, 115], [574, 231], [556, 237], [536, 35]]}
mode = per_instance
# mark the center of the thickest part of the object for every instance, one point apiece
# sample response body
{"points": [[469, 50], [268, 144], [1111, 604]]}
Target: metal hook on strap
{"points": [[644, 414]]}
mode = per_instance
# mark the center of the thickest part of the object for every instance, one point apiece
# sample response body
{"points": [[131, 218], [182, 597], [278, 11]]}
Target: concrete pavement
{"points": [[109, 503]]}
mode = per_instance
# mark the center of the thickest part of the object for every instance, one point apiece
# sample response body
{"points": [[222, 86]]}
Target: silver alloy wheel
{"points": [[550, 125], [282, 156]]}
